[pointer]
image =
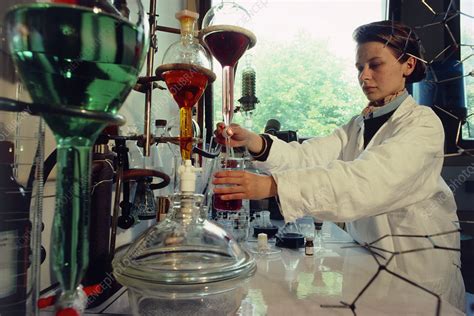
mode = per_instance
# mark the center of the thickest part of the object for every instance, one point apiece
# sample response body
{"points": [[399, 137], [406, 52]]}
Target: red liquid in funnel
{"points": [[227, 46]]}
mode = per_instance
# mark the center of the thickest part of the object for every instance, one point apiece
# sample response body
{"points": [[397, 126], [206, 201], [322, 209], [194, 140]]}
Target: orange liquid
{"points": [[186, 86], [185, 132]]}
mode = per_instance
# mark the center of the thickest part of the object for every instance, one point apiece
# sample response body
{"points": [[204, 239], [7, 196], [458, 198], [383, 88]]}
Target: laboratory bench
{"points": [[292, 283]]}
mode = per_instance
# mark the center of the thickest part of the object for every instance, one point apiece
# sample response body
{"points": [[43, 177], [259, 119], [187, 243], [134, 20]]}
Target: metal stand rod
{"points": [[149, 72]]}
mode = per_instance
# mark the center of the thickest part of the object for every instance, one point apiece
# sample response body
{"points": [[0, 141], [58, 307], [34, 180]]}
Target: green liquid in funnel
{"points": [[74, 57]]}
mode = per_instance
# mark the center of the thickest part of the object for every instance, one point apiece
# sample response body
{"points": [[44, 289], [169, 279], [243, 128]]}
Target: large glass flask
{"points": [[185, 263], [79, 59], [226, 32], [186, 69]]}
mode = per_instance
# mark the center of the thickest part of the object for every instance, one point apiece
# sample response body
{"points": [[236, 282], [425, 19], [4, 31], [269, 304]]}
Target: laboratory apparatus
{"points": [[78, 87], [186, 69], [226, 33]]}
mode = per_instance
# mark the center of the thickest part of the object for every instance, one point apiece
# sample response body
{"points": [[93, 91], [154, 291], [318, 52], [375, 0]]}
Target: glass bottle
{"points": [[167, 157], [309, 246], [156, 153]]}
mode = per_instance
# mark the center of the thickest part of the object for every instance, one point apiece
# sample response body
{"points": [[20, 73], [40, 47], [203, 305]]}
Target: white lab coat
{"points": [[391, 187]]}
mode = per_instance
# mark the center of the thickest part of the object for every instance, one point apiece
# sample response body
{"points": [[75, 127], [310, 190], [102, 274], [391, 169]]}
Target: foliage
{"points": [[301, 84], [467, 55], [308, 89]]}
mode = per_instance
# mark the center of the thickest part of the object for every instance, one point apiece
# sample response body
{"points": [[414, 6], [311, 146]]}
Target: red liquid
{"points": [[227, 46], [227, 205], [186, 86]]}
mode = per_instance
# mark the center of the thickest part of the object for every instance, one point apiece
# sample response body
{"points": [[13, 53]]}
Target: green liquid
{"points": [[72, 57]]}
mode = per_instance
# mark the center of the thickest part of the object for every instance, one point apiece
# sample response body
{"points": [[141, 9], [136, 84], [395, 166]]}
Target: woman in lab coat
{"points": [[379, 173]]}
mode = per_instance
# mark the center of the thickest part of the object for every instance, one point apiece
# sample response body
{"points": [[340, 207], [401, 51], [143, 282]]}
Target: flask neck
{"points": [[187, 29], [186, 208]]}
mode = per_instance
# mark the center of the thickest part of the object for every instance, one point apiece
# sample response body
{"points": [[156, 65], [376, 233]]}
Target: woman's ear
{"points": [[409, 66]]}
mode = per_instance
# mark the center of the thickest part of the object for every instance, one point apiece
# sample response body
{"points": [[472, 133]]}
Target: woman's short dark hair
{"points": [[400, 38]]}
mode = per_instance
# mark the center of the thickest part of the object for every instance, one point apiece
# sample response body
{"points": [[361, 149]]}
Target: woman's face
{"points": [[380, 73]]}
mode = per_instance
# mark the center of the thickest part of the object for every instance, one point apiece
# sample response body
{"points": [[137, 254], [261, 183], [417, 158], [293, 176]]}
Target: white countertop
{"points": [[291, 283]]}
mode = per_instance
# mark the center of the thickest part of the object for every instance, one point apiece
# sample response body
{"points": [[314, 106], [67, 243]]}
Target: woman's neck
{"points": [[386, 99]]}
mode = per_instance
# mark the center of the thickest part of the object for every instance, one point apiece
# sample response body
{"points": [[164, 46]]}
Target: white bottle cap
{"points": [[187, 174], [262, 242]]}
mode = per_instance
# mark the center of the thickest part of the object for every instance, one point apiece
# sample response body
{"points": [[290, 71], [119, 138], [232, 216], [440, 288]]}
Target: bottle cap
{"points": [[262, 241], [187, 174], [318, 225], [187, 19], [186, 14]]}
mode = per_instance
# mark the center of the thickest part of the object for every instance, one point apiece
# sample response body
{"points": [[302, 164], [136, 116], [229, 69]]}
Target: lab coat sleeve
{"points": [[317, 151], [402, 170]]}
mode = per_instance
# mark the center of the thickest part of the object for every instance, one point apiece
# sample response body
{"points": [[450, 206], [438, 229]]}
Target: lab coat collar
{"points": [[407, 105]]}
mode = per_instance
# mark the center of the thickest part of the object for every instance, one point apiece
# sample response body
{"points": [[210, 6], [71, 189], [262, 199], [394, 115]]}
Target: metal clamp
{"points": [[11, 105]]}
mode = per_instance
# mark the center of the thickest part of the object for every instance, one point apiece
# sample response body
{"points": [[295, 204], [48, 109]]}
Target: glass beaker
{"points": [[225, 164], [306, 226], [230, 213], [79, 60]]}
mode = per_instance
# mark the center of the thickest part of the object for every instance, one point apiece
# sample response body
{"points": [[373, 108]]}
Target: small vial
{"points": [[309, 246]]}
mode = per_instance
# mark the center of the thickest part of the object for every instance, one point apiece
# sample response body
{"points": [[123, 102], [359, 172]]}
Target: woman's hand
{"points": [[244, 185], [239, 137]]}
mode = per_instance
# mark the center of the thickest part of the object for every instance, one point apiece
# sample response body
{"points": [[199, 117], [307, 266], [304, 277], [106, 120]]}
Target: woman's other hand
{"points": [[244, 185]]}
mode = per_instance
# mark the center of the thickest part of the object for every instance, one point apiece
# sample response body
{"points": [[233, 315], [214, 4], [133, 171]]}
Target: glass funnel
{"points": [[186, 69], [225, 31], [79, 59]]}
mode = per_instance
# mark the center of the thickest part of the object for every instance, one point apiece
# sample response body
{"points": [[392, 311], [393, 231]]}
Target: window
{"points": [[467, 56], [304, 61]]}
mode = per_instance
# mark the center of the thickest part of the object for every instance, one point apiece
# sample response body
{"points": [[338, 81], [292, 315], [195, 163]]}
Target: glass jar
{"points": [[185, 263]]}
